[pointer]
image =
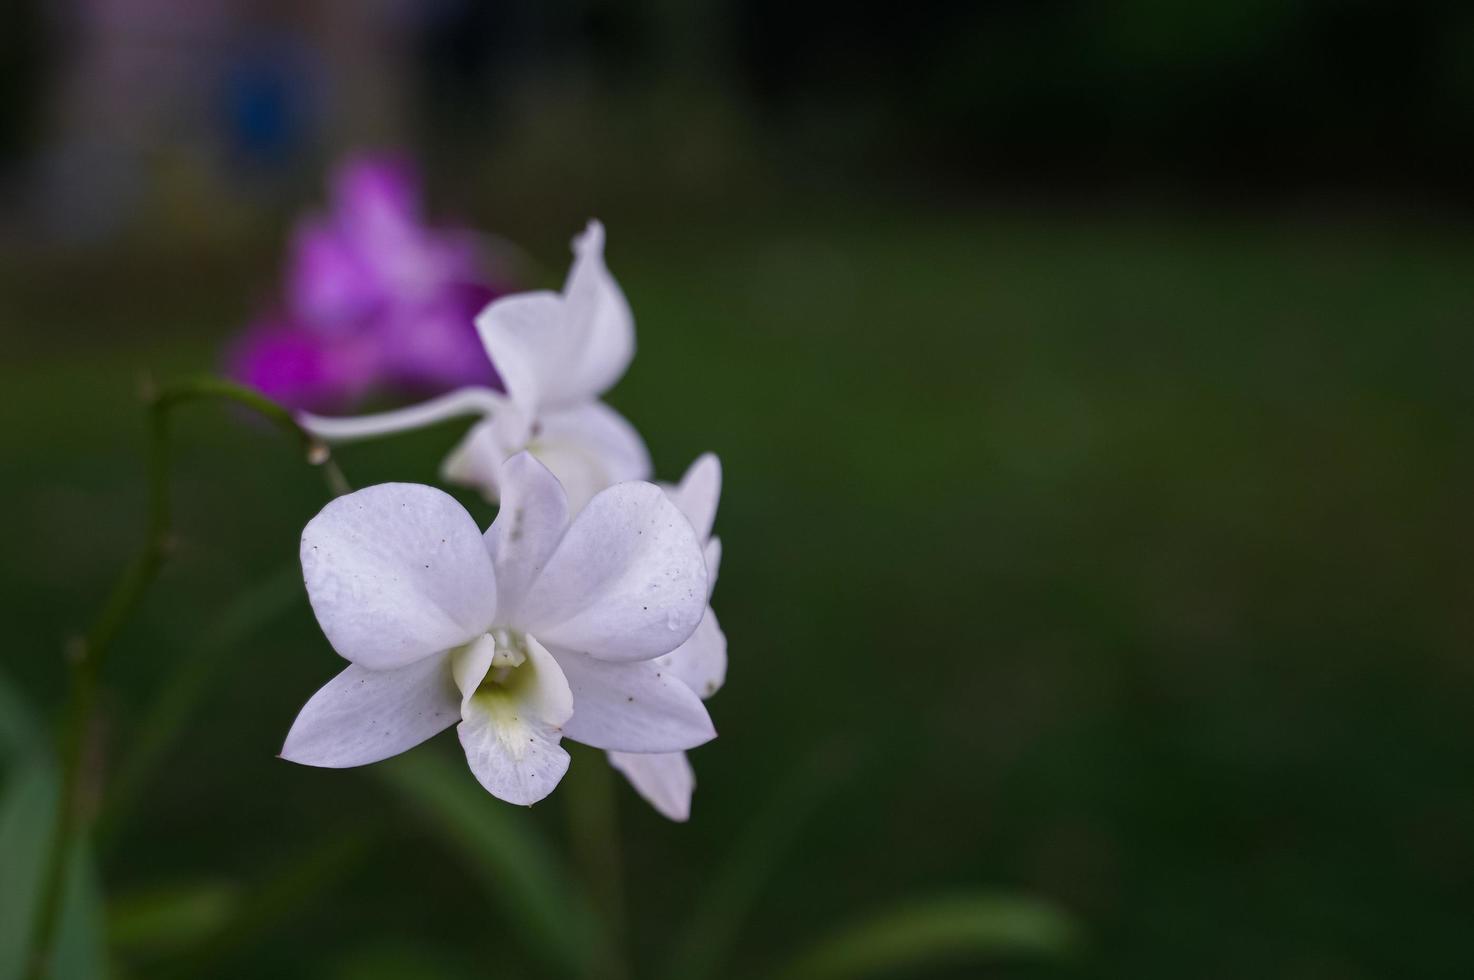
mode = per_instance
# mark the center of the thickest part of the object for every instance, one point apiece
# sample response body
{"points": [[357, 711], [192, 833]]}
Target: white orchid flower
{"points": [[665, 779], [540, 628], [556, 353]]}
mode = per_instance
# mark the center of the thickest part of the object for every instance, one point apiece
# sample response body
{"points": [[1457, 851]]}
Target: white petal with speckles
{"points": [[627, 582], [397, 572]]}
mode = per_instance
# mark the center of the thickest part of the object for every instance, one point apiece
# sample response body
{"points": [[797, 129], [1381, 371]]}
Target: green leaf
{"points": [[938, 930], [27, 816], [81, 948], [20, 732], [27, 821], [170, 917], [520, 872]]}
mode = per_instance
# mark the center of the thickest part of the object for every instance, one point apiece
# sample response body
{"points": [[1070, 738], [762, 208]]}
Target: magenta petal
{"points": [[373, 298], [377, 188], [458, 257], [301, 369], [434, 346], [376, 211], [329, 286]]}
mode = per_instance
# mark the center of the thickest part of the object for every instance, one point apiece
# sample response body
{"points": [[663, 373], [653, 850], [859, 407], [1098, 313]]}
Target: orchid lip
{"points": [[492, 667]]}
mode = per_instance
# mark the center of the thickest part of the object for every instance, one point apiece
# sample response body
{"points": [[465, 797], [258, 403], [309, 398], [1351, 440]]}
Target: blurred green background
{"points": [[1091, 382]]}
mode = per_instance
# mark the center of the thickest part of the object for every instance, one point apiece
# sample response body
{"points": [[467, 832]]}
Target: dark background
{"points": [[1091, 381]]}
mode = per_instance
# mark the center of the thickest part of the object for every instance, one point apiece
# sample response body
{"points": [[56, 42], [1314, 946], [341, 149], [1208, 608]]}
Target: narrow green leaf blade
{"points": [[938, 930], [172, 916], [20, 732], [27, 814], [81, 947], [27, 821]]}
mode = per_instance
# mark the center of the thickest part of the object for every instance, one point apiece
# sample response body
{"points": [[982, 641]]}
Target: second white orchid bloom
{"points": [[556, 353], [666, 779], [540, 628]]}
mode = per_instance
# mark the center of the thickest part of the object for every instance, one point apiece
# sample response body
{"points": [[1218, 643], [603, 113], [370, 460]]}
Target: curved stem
{"points": [[462, 401], [87, 655]]}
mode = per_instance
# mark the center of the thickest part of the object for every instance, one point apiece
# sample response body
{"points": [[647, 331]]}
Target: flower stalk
{"points": [[86, 655]]}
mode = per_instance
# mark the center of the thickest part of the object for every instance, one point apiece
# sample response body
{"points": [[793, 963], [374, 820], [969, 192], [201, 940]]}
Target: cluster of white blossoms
{"points": [[583, 611]]}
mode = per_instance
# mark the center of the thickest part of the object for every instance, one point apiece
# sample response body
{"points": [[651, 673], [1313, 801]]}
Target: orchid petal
{"points": [[328, 284], [514, 759], [302, 368], [376, 190], [527, 529], [627, 582], [701, 662], [363, 715], [598, 311], [557, 351], [664, 779], [510, 734], [698, 493], [476, 461], [589, 448], [469, 664], [632, 707], [397, 572], [713, 555], [431, 344], [525, 336]]}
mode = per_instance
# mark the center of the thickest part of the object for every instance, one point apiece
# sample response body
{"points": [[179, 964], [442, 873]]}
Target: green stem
{"points": [[88, 654]]}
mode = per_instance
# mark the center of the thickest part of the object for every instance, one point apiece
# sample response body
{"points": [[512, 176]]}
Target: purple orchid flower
{"points": [[374, 300]]}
